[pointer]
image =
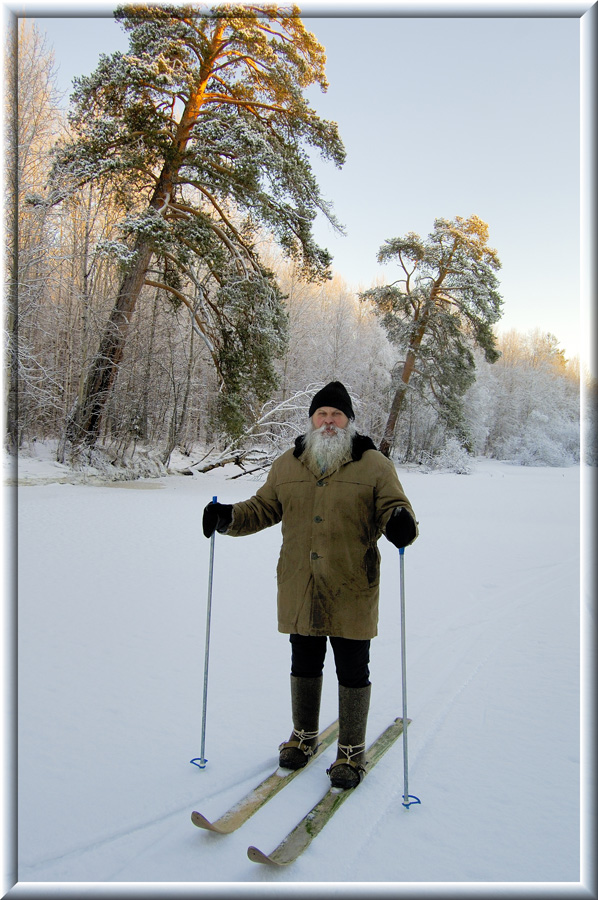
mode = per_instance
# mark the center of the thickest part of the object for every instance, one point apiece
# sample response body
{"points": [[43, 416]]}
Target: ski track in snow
{"points": [[492, 655]]}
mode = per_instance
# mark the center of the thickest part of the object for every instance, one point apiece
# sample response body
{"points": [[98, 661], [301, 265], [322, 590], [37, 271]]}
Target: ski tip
{"points": [[200, 820], [257, 856]]}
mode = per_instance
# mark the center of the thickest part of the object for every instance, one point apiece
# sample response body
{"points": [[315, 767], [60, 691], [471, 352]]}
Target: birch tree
{"points": [[531, 408], [201, 131], [33, 122]]}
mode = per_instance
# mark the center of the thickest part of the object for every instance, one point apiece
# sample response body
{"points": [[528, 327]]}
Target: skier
{"points": [[335, 495]]}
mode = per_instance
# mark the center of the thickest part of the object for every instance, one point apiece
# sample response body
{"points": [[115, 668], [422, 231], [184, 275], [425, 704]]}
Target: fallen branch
{"points": [[216, 464]]}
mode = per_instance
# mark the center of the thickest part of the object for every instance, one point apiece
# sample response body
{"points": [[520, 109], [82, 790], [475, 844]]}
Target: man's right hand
{"points": [[216, 517]]}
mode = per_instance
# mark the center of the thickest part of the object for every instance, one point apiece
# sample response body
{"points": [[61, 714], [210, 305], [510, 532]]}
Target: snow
{"points": [[112, 614]]}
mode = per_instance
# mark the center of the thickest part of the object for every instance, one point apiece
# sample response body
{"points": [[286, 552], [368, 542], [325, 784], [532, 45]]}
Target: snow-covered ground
{"points": [[111, 616]]}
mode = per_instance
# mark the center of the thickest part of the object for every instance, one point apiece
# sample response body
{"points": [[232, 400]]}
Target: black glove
{"points": [[216, 517], [400, 528]]}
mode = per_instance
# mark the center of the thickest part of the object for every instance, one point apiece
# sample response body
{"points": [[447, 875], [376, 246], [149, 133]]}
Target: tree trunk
{"points": [[393, 416], [177, 422], [147, 380], [391, 423], [84, 424]]}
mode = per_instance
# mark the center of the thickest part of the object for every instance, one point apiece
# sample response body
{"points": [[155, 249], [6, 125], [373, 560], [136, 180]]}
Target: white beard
{"points": [[326, 451]]}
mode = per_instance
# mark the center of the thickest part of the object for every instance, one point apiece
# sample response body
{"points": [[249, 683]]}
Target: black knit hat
{"points": [[334, 395]]}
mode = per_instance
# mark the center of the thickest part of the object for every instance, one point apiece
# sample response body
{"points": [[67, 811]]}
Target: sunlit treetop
{"points": [[213, 99]]}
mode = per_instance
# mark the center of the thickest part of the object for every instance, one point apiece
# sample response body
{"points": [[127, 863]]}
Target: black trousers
{"points": [[351, 658]]}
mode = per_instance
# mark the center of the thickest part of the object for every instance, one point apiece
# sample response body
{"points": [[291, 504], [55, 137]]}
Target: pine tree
{"points": [[200, 132], [444, 303]]}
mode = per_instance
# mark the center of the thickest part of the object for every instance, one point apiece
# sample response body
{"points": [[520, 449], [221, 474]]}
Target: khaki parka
{"points": [[328, 571]]}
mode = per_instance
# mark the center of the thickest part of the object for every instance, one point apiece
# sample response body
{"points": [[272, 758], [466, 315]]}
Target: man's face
{"points": [[330, 419]]}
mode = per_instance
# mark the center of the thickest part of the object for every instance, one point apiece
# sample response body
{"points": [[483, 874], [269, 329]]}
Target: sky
{"points": [[440, 117]]}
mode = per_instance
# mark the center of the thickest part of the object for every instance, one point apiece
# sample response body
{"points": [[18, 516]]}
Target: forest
{"points": [[165, 292]]}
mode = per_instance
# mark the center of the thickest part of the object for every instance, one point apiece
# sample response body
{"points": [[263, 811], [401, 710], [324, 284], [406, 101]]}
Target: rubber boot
{"points": [[305, 706], [353, 707]]}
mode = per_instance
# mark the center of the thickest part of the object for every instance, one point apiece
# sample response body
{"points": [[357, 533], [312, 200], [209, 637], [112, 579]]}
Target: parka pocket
{"points": [[283, 570], [371, 564]]}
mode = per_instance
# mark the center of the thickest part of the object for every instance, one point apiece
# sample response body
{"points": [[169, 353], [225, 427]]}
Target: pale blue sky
{"points": [[440, 117]]}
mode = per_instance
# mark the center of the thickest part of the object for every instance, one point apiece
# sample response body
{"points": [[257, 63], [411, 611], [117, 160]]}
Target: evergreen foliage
{"points": [[168, 400], [444, 303], [199, 132], [525, 408]]}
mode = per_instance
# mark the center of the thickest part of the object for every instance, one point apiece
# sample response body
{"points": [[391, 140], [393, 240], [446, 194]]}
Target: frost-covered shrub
{"points": [[525, 407], [452, 458], [540, 444], [145, 462]]}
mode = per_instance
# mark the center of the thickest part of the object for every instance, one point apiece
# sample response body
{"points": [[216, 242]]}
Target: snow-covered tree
{"points": [[590, 420], [443, 304], [33, 122], [333, 336], [526, 407], [200, 132]]}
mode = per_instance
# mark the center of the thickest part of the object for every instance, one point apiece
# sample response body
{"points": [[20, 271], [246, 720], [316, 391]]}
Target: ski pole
{"points": [[408, 798], [201, 760]]}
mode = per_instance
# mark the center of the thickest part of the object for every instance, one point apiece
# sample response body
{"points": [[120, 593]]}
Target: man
{"points": [[335, 495]]}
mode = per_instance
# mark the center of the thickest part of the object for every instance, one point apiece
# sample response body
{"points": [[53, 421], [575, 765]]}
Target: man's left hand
{"points": [[400, 528]]}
